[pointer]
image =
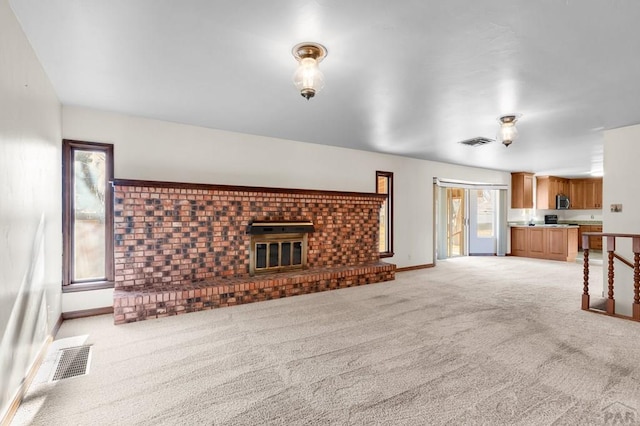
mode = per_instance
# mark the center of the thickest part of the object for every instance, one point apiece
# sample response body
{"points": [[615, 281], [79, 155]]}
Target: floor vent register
{"points": [[72, 362]]}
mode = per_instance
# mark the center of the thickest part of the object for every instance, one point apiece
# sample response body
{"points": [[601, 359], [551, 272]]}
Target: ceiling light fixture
{"points": [[308, 78], [508, 132]]}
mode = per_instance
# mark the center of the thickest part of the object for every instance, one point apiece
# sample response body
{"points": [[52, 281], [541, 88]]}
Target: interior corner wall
{"points": [[30, 207], [621, 175]]}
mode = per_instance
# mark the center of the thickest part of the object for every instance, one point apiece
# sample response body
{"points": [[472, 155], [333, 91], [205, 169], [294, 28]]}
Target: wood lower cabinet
{"points": [[562, 243], [537, 242], [595, 243], [545, 243], [519, 241]]}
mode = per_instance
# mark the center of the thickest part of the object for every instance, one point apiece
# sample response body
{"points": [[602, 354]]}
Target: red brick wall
{"points": [[169, 233]]}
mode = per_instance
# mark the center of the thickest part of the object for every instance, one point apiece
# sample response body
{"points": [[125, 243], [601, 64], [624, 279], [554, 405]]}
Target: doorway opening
{"points": [[470, 219]]}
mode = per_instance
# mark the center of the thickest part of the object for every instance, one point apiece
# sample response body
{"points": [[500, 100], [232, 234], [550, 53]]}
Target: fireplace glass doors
{"points": [[280, 252], [278, 246]]}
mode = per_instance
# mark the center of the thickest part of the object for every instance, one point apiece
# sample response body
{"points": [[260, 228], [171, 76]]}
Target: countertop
{"points": [[562, 223], [542, 225]]}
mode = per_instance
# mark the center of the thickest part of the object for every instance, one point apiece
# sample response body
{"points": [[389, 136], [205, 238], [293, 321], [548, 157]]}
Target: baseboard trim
{"points": [[414, 268], [87, 313], [56, 328], [31, 374]]}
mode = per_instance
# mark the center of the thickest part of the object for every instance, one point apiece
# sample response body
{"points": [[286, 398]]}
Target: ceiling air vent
{"points": [[479, 141]]}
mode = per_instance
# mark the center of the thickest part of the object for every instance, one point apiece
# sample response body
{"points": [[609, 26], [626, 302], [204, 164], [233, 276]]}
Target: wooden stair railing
{"points": [[611, 247]]}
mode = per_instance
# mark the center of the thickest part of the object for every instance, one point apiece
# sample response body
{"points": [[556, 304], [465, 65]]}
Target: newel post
{"points": [[611, 247], [585, 292], [636, 279]]}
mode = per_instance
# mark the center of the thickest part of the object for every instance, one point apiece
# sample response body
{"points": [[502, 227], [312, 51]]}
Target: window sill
{"points": [[386, 254], [94, 285]]}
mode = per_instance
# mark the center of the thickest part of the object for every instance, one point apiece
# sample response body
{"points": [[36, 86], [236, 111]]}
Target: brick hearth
{"points": [[141, 303]]}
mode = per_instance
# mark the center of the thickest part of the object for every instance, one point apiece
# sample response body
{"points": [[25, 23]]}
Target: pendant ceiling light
{"points": [[508, 132], [308, 78]]}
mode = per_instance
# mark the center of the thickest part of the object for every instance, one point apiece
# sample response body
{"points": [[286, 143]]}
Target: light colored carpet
{"points": [[480, 340]]}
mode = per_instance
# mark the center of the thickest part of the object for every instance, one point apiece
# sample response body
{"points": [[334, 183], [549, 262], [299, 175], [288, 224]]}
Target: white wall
{"points": [[621, 177], [30, 206], [157, 150]]}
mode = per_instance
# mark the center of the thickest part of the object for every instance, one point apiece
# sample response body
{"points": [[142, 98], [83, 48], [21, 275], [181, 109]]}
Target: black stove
{"points": [[550, 219]]}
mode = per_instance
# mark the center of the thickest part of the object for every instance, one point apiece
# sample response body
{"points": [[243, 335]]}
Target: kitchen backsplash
{"points": [[526, 215]]}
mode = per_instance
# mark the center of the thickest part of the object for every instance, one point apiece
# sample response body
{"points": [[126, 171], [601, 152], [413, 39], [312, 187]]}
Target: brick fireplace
{"points": [[176, 238]]}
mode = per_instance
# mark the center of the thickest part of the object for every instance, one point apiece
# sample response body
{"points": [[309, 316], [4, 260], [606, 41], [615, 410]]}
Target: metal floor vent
{"points": [[72, 362], [477, 141]]}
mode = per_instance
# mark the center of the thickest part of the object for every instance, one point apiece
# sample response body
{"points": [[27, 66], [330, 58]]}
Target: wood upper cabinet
{"points": [[593, 193], [521, 190], [547, 189], [576, 194], [599, 192], [586, 193]]}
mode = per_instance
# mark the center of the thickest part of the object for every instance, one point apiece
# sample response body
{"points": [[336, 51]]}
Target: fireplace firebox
{"points": [[278, 246]]}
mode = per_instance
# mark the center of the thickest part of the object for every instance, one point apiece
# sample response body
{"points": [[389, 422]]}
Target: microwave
{"points": [[562, 202]]}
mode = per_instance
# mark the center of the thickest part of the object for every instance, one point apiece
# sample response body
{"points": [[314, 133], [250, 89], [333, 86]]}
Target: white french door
{"points": [[470, 219], [483, 217]]}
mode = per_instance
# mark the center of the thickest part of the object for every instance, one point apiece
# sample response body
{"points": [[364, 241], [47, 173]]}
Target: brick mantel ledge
{"points": [[236, 188]]}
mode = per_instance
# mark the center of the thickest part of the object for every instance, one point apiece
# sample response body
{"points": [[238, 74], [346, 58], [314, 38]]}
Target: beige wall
{"points": [[621, 176], [30, 206], [158, 150]]}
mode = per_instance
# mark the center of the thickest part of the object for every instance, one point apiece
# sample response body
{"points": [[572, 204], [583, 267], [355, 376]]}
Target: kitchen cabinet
{"points": [[598, 194], [593, 193], [553, 243], [586, 193], [595, 243], [522, 190], [536, 242], [576, 194], [547, 187], [519, 241], [557, 243]]}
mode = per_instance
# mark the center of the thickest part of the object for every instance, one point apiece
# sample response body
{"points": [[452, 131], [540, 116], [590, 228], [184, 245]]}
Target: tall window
{"points": [[384, 185], [87, 223]]}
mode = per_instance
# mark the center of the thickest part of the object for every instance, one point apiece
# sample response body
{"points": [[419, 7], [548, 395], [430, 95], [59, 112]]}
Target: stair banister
{"points": [[612, 255]]}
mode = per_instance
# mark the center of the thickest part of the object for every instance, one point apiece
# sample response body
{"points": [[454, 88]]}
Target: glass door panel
{"points": [[456, 221]]}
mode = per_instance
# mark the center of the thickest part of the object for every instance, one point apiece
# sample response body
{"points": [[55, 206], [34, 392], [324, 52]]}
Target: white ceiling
{"points": [[409, 77]]}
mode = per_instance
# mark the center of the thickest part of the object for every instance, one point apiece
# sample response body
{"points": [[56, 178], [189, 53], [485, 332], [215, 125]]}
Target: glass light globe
{"points": [[308, 78], [508, 131]]}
